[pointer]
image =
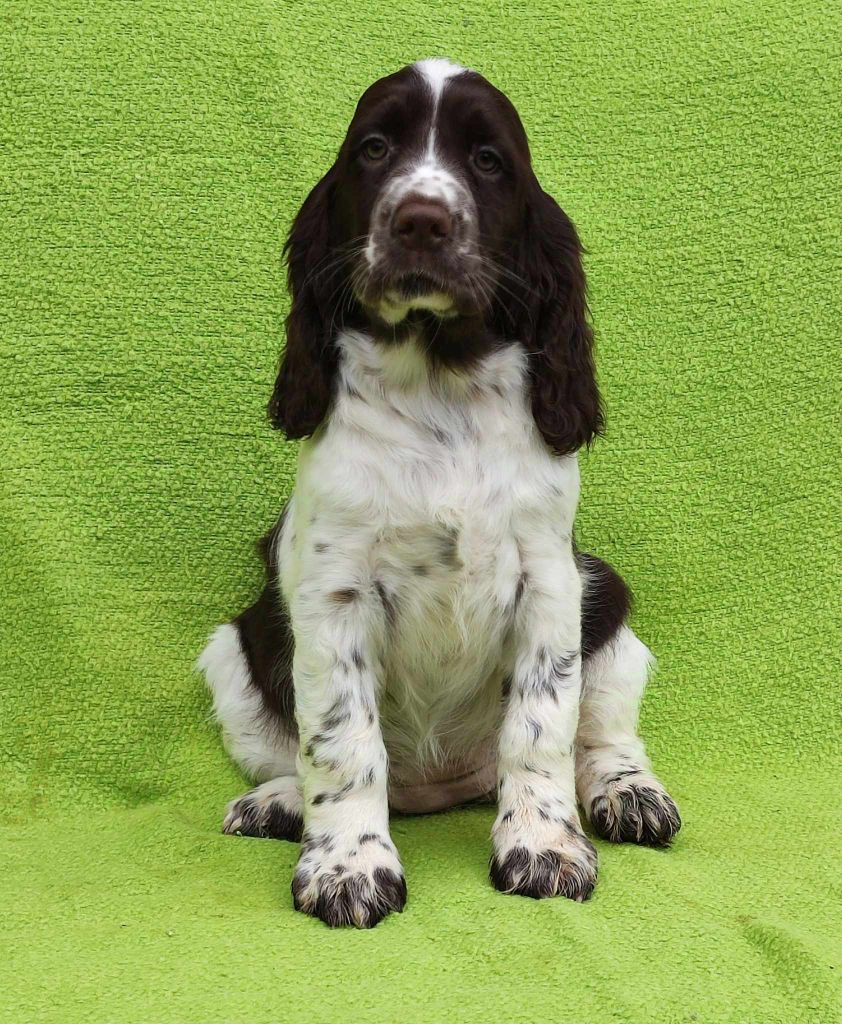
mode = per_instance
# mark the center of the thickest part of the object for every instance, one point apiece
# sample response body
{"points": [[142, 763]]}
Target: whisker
{"points": [[334, 259], [499, 286], [501, 268]]}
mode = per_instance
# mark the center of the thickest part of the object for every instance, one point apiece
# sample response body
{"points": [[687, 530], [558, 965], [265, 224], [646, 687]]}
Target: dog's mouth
{"points": [[415, 285], [394, 297], [416, 291], [396, 286]]}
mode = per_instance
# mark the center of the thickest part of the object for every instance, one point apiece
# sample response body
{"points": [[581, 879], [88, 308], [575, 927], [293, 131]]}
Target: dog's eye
{"points": [[374, 148], [487, 160]]}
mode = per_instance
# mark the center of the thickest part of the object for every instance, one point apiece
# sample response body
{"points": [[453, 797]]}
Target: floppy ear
{"points": [[304, 387], [557, 333]]}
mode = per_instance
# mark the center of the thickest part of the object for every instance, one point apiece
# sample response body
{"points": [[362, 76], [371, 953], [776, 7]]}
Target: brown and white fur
{"points": [[429, 633]]}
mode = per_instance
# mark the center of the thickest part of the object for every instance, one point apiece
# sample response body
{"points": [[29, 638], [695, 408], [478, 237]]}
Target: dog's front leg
{"points": [[539, 847], [349, 872]]}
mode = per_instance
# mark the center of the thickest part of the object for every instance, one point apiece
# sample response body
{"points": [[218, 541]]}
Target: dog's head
{"points": [[431, 221]]}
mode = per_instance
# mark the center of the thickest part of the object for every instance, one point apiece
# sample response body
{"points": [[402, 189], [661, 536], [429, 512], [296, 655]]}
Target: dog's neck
{"points": [[393, 367], [456, 342]]}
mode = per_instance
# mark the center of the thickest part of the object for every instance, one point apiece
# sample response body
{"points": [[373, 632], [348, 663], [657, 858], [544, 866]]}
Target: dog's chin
{"points": [[415, 293], [395, 307]]}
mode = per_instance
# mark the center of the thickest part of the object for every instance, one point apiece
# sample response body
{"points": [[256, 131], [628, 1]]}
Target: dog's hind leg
{"points": [[622, 797], [255, 740]]}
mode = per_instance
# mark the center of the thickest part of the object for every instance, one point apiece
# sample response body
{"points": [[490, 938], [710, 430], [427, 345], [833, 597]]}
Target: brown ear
{"points": [[557, 333], [304, 387]]}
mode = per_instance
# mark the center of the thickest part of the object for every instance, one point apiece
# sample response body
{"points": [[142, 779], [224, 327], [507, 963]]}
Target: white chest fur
{"points": [[423, 488]]}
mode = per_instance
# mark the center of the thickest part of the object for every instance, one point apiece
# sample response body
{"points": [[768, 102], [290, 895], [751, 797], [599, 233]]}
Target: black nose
{"points": [[421, 224]]}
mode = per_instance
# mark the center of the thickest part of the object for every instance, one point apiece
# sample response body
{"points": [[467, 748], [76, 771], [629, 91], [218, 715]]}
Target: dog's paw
{"points": [[635, 809], [270, 811], [541, 866], [345, 883]]}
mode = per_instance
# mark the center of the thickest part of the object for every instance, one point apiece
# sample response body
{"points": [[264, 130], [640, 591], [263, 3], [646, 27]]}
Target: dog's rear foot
{"points": [[269, 811], [633, 807]]}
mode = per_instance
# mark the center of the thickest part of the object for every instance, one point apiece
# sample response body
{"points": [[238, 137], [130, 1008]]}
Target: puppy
{"points": [[429, 634]]}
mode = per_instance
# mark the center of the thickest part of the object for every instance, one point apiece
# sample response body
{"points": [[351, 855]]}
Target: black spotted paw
{"points": [[270, 811], [564, 867], [635, 809], [349, 883]]}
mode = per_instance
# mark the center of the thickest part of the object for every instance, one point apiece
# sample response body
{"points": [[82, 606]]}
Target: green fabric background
{"points": [[151, 157]]}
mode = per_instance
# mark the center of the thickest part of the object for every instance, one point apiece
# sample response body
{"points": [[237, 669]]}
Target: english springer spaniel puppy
{"points": [[429, 633]]}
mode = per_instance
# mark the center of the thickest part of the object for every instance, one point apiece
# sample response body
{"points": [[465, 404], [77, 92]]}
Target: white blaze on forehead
{"points": [[436, 71]]}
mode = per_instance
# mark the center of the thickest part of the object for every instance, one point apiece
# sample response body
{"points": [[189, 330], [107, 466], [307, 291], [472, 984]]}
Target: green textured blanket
{"points": [[151, 157]]}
